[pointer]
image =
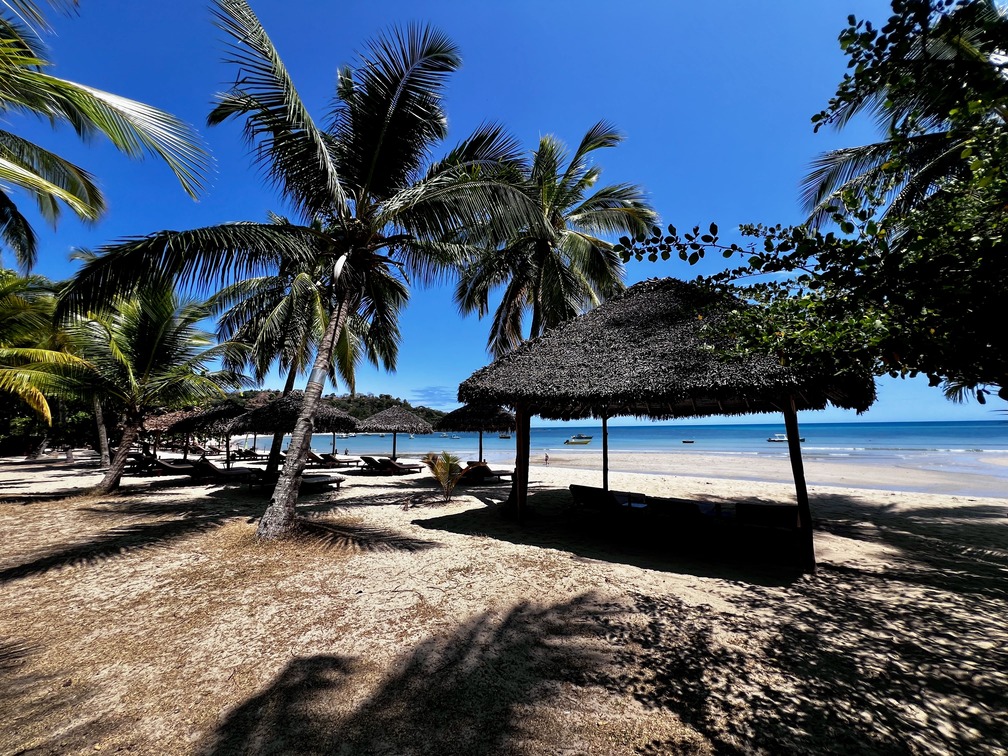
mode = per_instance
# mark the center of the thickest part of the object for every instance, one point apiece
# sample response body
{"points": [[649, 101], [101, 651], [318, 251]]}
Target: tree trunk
{"points": [[278, 519], [115, 472], [103, 447], [807, 545], [273, 461]]}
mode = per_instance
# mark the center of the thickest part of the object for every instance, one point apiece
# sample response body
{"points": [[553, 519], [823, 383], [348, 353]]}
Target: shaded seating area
{"points": [[666, 349]]}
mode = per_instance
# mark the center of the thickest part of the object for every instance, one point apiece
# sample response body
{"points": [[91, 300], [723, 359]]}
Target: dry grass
{"points": [[154, 622]]}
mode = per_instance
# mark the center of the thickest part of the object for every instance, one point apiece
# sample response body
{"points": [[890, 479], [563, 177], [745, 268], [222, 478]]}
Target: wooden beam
{"points": [[801, 491], [522, 433], [605, 453]]}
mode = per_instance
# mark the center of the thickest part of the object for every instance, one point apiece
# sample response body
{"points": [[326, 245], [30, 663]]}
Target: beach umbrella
{"points": [[662, 349], [282, 414], [395, 420], [477, 417], [214, 420]]}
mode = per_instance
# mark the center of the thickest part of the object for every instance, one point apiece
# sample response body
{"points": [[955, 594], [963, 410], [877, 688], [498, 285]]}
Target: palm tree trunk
{"points": [[103, 447], [273, 462], [115, 472], [278, 520]]}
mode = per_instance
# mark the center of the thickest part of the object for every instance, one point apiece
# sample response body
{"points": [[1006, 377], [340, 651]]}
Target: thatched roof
{"points": [[395, 420], [477, 417], [212, 421], [164, 421], [657, 350], [282, 414]]}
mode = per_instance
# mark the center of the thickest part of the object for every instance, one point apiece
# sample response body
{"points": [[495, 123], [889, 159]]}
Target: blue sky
{"points": [[714, 100]]}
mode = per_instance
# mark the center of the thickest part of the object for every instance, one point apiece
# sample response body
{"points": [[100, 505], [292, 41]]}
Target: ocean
{"points": [[865, 441]]}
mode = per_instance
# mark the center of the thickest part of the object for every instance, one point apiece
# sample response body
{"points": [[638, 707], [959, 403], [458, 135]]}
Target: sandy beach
{"points": [[152, 622]]}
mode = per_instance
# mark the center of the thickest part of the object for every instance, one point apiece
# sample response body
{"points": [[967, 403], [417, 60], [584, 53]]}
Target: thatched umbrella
{"points": [[215, 420], [282, 414], [164, 422], [395, 420], [662, 349], [477, 417]]}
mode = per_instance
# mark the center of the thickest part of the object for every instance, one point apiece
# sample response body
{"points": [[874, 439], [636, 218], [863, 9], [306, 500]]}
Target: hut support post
{"points": [[227, 450], [522, 434], [333, 443], [393, 444], [801, 491], [605, 453], [479, 457]]}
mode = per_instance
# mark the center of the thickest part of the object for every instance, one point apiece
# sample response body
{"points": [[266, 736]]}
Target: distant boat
{"points": [[578, 439], [456, 436], [780, 438], [504, 435], [687, 441], [444, 435]]}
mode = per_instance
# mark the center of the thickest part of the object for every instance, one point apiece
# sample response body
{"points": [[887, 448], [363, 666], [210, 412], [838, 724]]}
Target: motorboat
{"points": [[578, 439], [687, 441], [780, 438], [504, 435]]}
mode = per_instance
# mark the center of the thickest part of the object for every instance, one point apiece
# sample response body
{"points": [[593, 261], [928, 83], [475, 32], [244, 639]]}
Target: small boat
{"points": [[504, 435], [444, 435], [456, 436], [411, 435], [781, 438], [578, 439], [687, 441]]}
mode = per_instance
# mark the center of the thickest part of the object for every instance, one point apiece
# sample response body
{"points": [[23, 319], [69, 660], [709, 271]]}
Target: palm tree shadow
{"points": [[162, 523], [454, 693]]}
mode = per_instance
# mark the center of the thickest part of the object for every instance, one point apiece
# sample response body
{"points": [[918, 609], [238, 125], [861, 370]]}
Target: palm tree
{"points": [[928, 77], [375, 209], [27, 360], [146, 353], [558, 267], [282, 317], [133, 127]]}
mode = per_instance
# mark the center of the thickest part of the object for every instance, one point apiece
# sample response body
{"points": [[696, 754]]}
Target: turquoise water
{"points": [[870, 442]]}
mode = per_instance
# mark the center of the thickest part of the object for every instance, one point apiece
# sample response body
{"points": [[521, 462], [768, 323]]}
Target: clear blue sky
{"points": [[714, 99]]}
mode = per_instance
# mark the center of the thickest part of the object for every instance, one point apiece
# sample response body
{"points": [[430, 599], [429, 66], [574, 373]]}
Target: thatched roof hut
{"points": [[659, 350], [282, 414], [395, 420], [664, 348], [477, 417]]}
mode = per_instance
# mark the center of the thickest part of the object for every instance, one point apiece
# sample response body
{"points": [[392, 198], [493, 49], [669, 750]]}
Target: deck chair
{"points": [[164, 467], [337, 460], [481, 473], [372, 465], [209, 470], [399, 467]]}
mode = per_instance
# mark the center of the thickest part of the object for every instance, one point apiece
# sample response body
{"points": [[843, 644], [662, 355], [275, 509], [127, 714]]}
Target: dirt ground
{"points": [[153, 622]]}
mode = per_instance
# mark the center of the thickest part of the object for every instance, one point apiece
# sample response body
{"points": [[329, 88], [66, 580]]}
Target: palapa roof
{"points": [[395, 420], [213, 421], [282, 414], [164, 421], [657, 350], [477, 417]]}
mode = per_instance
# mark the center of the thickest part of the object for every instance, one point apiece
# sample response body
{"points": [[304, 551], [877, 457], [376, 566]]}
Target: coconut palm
{"points": [[914, 96], [28, 88], [27, 357], [558, 267], [282, 317], [374, 207], [146, 353]]}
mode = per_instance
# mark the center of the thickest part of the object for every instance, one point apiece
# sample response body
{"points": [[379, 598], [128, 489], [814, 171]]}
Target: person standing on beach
{"points": [[547, 459]]}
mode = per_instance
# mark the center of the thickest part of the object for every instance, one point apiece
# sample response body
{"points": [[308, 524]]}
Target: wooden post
{"points": [[605, 453], [523, 421], [393, 444], [479, 457], [801, 491]]}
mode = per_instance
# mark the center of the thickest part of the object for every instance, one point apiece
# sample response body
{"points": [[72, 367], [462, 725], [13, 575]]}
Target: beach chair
{"points": [[311, 483], [398, 468], [165, 467], [372, 465], [482, 474], [314, 459], [208, 470], [336, 460]]}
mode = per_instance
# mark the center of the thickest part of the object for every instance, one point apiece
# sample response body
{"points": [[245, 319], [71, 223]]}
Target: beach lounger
{"points": [[314, 459], [400, 467], [311, 483], [208, 470], [337, 460], [165, 467], [481, 473]]}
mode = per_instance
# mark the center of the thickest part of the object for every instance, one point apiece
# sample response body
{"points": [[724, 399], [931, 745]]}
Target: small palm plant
{"points": [[446, 470]]}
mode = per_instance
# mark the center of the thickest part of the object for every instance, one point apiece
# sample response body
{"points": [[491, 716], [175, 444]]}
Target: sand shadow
{"points": [[707, 550], [457, 692], [162, 523], [836, 663]]}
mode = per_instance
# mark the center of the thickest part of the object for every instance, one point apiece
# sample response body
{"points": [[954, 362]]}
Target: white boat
{"points": [[780, 438], [578, 439], [504, 435]]}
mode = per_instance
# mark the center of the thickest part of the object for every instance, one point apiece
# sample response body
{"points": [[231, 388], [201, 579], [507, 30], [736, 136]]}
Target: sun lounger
{"points": [[207, 469], [386, 466], [481, 473], [337, 460], [401, 467], [314, 459], [309, 483], [165, 467]]}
